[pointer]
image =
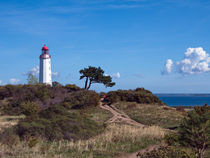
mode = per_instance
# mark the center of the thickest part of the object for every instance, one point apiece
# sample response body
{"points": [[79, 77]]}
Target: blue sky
{"points": [[133, 38]]}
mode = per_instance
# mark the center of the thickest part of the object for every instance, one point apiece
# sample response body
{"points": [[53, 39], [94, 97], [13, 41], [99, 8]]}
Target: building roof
{"points": [[45, 47]]}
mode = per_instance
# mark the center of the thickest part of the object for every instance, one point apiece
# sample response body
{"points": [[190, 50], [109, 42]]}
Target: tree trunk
{"points": [[89, 84], [86, 82]]}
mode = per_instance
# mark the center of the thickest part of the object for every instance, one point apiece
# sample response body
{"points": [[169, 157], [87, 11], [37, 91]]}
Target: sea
{"points": [[185, 99]]}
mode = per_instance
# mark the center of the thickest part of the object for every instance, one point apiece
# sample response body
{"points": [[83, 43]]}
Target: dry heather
{"points": [[115, 140]]}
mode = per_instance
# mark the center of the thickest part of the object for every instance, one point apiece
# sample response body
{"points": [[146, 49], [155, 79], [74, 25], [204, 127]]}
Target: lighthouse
{"points": [[45, 75]]}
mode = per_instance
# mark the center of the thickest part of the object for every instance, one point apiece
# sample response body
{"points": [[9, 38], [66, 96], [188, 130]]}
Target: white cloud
{"points": [[14, 81], [34, 71], [117, 75], [0, 82], [167, 67], [196, 60]]}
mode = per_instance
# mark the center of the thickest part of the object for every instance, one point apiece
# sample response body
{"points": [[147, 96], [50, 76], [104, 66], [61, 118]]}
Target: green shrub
{"points": [[56, 123], [30, 108], [194, 130], [139, 95], [172, 139], [72, 87], [33, 141], [81, 99]]}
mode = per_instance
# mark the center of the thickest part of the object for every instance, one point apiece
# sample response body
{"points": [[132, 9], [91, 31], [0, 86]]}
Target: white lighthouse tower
{"points": [[45, 75]]}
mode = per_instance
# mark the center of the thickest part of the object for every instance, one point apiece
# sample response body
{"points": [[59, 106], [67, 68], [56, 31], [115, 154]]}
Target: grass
{"points": [[99, 115], [163, 116], [113, 141]]}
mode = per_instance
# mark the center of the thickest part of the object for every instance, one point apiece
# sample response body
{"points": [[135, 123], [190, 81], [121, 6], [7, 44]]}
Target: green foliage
{"points": [[81, 99], [194, 130], [30, 108], [139, 95], [95, 75], [56, 123], [43, 95], [165, 152], [172, 139], [33, 141], [72, 87], [32, 80]]}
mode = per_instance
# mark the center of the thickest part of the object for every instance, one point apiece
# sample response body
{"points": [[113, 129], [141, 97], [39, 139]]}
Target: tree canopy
{"points": [[95, 75]]}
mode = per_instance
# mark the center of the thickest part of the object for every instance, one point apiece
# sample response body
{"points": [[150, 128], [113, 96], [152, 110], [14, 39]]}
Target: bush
{"points": [[47, 112], [56, 123], [30, 108], [139, 95], [43, 95], [194, 130], [81, 99], [72, 87], [172, 139]]}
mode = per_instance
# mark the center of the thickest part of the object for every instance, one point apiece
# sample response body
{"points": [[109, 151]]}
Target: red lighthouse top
{"points": [[45, 47], [45, 53]]}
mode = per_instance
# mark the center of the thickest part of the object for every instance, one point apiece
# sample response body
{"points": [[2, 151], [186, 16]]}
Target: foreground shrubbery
{"points": [[113, 141], [192, 139], [139, 95]]}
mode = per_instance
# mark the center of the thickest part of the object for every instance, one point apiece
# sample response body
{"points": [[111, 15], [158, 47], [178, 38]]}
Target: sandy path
{"points": [[120, 117]]}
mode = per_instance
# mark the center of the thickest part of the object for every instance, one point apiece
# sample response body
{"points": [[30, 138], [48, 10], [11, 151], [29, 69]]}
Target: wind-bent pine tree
{"points": [[95, 75]]}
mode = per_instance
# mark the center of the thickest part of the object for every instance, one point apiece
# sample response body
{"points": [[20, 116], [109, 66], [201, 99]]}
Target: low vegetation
{"points": [[139, 95], [150, 114], [192, 140], [113, 141], [66, 121]]}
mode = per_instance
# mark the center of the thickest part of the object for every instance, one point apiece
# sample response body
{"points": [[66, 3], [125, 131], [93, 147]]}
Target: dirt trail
{"points": [[120, 117]]}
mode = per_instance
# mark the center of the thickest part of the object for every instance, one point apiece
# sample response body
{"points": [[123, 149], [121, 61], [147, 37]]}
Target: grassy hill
{"points": [[66, 121]]}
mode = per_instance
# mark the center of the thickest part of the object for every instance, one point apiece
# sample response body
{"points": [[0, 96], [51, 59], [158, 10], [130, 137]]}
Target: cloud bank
{"points": [[195, 61]]}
